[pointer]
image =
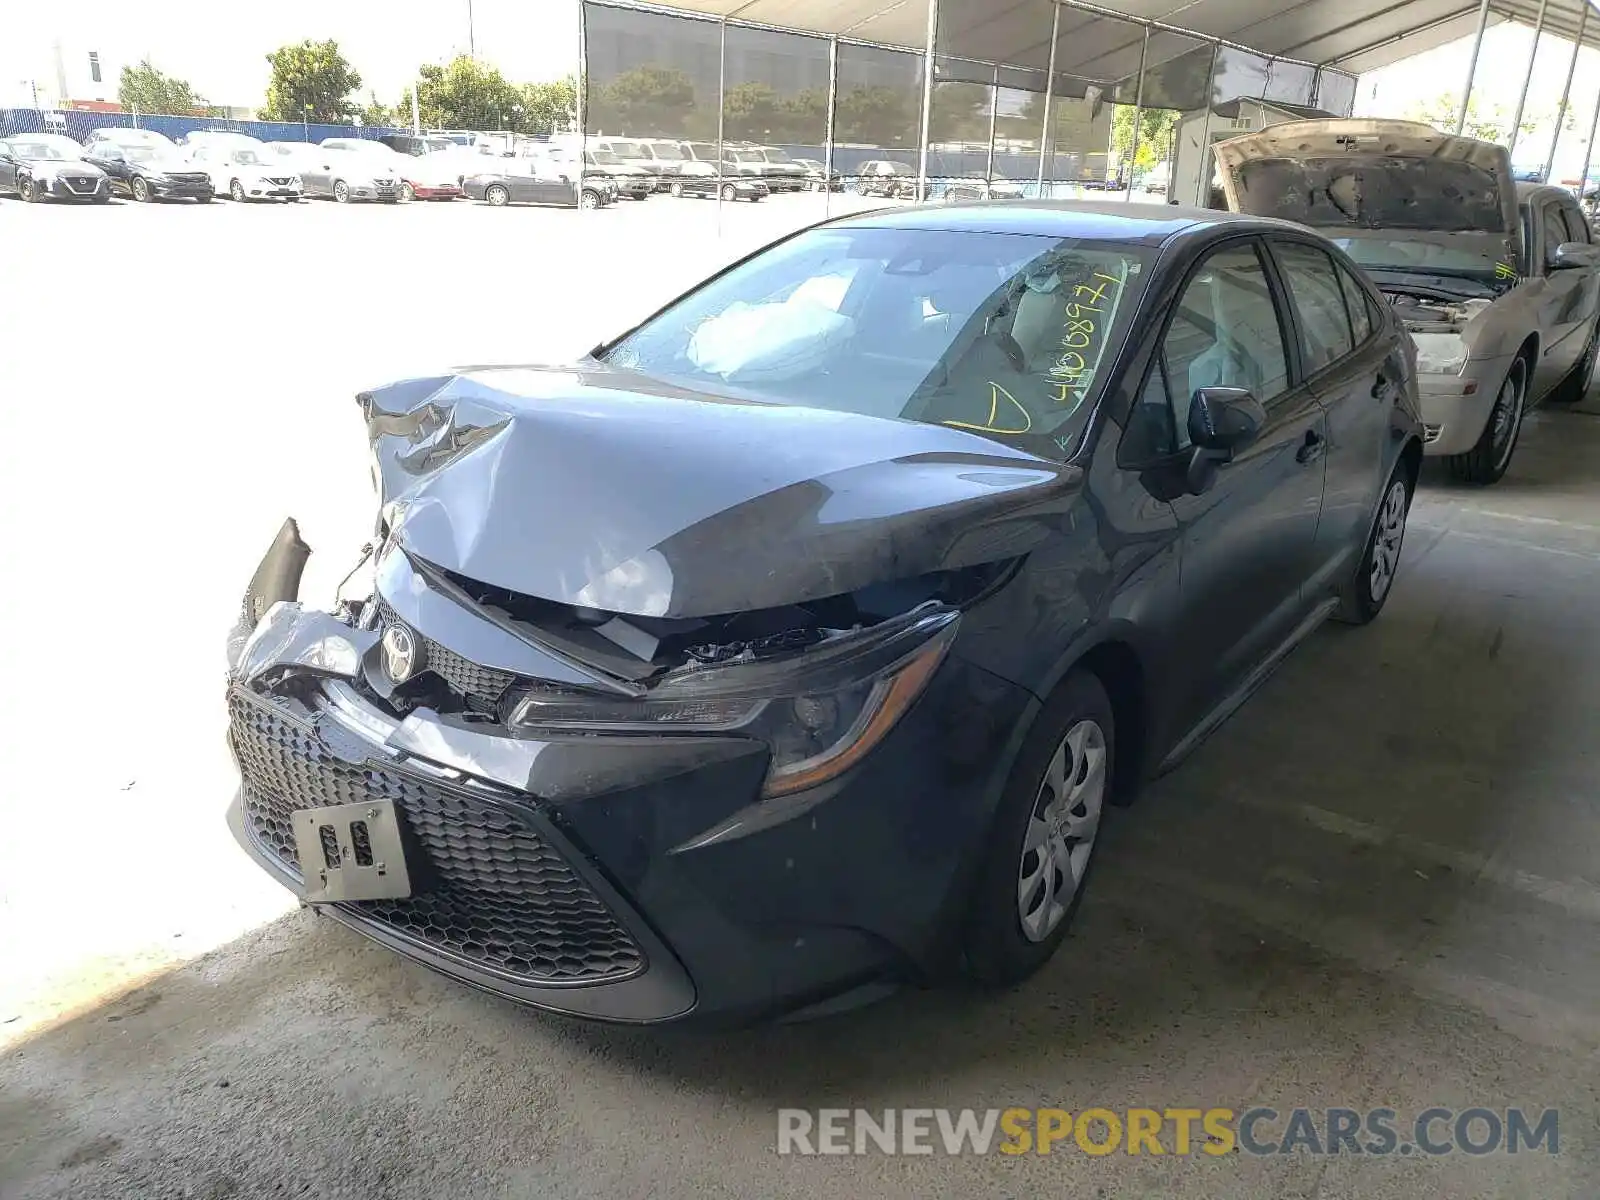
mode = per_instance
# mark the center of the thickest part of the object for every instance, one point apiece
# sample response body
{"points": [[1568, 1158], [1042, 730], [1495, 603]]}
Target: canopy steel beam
{"points": [[1566, 93], [1527, 78], [1472, 66]]}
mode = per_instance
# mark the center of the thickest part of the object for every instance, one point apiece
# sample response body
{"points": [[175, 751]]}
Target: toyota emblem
{"points": [[399, 653]]}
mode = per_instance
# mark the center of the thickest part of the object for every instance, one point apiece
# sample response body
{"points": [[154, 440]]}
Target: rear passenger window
{"points": [[1577, 227], [1325, 331], [1356, 304]]}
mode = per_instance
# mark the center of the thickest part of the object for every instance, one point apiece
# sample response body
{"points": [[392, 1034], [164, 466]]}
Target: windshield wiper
{"points": [[1480, 276]]}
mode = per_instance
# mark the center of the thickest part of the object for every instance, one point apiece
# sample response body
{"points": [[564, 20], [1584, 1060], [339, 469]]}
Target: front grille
{"points": [[83, 186], [186, 177], [482, 687], [279, 182], [491, 892]]}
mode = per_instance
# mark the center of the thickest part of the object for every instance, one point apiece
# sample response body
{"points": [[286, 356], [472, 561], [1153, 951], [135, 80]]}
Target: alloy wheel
{"points": [[588, 200], [141, 191], [28, 191], [236, 192], [677, 189], [1387, 537], [407, 192], [341, 192], [1061, 833], [1507, 417], [728, 193]]}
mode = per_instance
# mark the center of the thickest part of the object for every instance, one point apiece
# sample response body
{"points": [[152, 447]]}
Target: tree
{"points": [[376, 113], [144, 89], [1155, 135], [311, 81], [466, 94], [549, 107], [754, 112], [960, 112], [648, 101], [1486, 122], [877, 116]]}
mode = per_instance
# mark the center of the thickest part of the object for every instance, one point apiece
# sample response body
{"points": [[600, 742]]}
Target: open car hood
{"points": [[1343, 176], [604, 489]]}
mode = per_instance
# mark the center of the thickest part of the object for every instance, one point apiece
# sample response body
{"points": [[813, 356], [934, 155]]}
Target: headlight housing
{"points": [[1440, 353], [821, 711]]}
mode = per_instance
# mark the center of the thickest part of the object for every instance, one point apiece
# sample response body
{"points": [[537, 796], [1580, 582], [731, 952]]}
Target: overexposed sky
{"points": [[222, 51], [223, 56]]}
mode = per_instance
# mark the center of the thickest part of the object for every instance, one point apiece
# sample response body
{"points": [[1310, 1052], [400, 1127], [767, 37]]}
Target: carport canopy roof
{"points": [[1353, 35]]}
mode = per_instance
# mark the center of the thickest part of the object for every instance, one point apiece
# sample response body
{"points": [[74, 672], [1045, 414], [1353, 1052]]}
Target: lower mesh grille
{"points": [[490, 891]]}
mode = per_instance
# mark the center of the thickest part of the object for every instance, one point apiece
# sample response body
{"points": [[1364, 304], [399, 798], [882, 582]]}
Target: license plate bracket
{"points": [[351, 852]]}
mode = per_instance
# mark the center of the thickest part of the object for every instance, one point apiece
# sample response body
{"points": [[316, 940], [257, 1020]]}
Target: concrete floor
{"points": [[1376, 886]]}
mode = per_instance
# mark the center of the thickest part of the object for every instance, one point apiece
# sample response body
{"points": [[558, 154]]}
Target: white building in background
{"points": [[84, 73]]}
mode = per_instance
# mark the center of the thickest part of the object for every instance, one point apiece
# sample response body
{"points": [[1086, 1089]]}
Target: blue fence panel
{"points": [[80, 125]]}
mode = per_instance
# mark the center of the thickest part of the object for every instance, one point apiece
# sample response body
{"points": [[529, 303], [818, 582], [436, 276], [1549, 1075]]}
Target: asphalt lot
{"points": [[1376, 886]]}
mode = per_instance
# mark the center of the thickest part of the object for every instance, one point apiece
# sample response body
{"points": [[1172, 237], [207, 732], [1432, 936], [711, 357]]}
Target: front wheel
{"points": [[1365, 595], [236, 192], [28, 190], [1487, 461], [407, 192], [729, 193], [498, 196], [141, 191], [589, 200], [341, 192], [677, 188], [1044, 836]]}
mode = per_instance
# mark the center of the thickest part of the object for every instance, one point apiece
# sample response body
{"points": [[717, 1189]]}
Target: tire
{"points": [[341, 192], [407, 192], [1012, 928], [1487, 461], [28, 191], [236, 192], [677, 188], [1576, 385], [729, 193], [497, 195], [1368, 591], [140, 190], [588, 199]]}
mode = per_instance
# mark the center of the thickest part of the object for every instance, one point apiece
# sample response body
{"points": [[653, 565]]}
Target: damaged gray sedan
{"points": [[790, 647], [1497, 281]]}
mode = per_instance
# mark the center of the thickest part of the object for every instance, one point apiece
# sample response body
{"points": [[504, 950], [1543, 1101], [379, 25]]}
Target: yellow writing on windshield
{"points": [[1082, 338], [1002, 419]]}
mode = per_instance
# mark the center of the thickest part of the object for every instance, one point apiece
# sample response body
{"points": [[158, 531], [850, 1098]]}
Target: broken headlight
{"points": [[821, 710]]}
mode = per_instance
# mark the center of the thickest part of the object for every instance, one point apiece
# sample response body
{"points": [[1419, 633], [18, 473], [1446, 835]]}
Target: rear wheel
{"points": [[341, 192], [1044, 836], [1576, 385], [497, 195], [236, 192], [1365, 595], [1487, 461]]}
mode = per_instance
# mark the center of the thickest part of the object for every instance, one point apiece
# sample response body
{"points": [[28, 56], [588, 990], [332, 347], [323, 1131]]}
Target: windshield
{"points": [[605, 157], [38, 150], [248, 158], [628, 150], [1005, 335], [703, 149], [155, 155], [776, 156], [1417, 257], [745, 156], [667, 150]]}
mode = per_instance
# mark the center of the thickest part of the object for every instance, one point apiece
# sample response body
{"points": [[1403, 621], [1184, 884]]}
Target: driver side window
{"points": [[1224, 332]]}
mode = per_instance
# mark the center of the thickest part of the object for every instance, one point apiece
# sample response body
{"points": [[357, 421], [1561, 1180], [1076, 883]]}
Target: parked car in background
{"points": [[37, 166], [119, 135], [416, 144], [636, 154], [886, 177], [245, 172], [976, 186], [702, 179], [633, 182], [196, 138], [151, 172], [1528, 173], [772, 166], [864, 603], [1157, 180], [532, 181], [815, 171], [457, 162], [1498, 282], [349, 174]]}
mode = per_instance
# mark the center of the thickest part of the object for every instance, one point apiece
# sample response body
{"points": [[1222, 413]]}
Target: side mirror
{"points": [[1574, 256], [1222, 421]]}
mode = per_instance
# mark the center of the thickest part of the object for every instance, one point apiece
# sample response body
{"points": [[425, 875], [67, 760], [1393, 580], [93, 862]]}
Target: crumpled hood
{"points": [[1342, 176], [605, 489]]}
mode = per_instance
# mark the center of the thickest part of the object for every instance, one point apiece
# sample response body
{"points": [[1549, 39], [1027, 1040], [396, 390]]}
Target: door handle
{"points": [[1311, 449]]}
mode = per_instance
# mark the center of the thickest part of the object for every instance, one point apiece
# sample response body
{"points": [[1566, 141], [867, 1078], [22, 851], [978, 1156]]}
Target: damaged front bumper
{"points": [[1456, 405], [616, 875]]}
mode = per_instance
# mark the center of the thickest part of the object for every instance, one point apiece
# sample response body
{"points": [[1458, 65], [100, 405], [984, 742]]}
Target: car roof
{"points": [[1096, 220]]}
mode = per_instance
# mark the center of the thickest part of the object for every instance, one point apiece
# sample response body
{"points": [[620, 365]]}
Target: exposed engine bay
{"points": [[1422, 314]]}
